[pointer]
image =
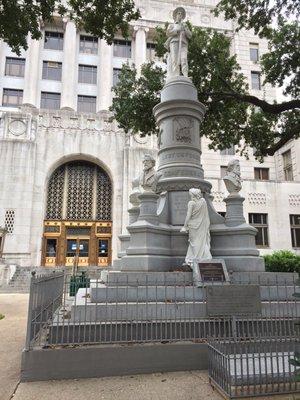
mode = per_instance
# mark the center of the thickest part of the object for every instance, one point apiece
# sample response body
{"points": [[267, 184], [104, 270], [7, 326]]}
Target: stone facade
{"points": [[34, 141]]}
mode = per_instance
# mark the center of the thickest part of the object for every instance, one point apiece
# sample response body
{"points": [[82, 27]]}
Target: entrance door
{"points": [[77, 252]]}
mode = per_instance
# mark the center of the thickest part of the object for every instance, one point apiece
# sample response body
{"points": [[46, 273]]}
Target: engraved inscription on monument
{"points": [[233, 300], [178, 201]]}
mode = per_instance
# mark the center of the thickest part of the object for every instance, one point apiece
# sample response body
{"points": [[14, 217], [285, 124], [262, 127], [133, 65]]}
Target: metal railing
{"points": [[63, 312], [239, 368], [46, 293]]}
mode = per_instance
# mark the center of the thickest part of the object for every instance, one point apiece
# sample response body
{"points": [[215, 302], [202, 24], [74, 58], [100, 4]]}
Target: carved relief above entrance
{"points": [[78, 226]]}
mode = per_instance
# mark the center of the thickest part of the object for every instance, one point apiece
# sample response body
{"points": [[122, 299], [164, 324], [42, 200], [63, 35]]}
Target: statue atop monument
{"points": [[232, 179], [177, 45], [197, 225], [147, 181]]}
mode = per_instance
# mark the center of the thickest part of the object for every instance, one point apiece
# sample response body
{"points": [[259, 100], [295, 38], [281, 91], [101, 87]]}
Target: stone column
{"points": [[105, 76], [31, 76], [69, 68], [140, 47]]}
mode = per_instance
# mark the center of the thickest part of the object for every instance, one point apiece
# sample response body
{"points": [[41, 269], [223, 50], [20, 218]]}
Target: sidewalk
{"points": [[189, 385]]}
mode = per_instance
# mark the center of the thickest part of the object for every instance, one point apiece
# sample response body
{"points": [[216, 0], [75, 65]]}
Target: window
{"points": [[230, 151], [288, 166], [222, 213], [255, 80], [50, 101], [261, 174], [260, 222], [52, 70], [88, 44], [86, 104], [54, 40], [223, 170], [150, 52], [9, 220], [122, 48], [254, 55], [116, 73], [295, 230], [15, 66], [51, 245], [12, 97], [87, 74]]}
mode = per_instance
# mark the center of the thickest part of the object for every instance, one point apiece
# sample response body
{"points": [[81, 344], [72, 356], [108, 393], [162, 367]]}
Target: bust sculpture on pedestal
{"points": [[177, 45], [232, 179]]}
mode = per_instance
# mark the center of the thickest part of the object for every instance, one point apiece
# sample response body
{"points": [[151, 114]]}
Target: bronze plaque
{"points": [[233, 300], [211, 272]]}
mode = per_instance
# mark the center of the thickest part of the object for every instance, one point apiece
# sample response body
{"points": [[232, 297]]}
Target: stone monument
{"points": [[155, 240]]}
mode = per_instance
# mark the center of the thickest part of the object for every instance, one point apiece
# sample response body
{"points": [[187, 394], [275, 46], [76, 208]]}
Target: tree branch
{"points": [[283, 140], [264, 105]]}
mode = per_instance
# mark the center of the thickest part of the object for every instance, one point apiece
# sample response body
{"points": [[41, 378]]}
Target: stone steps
{"points": [[91, 312], [119, 278], [110, 294]]}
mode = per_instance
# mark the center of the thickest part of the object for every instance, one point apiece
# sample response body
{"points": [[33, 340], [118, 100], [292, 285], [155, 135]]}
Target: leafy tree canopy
{"points": [[101, 18], [233, 115]]}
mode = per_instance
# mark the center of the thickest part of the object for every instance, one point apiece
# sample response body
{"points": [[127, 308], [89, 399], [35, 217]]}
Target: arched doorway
{"points": [[78, 226]]}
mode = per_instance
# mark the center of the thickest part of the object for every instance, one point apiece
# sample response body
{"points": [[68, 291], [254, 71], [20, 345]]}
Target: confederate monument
{"points": [[161, 213]]}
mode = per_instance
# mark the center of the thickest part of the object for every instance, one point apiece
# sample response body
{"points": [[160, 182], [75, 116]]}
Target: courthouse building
{"points": [[66, 170]]}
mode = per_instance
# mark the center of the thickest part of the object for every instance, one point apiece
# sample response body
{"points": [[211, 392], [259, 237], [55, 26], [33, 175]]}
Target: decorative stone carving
{"points": [[232, 179], [197, 224], [257, 198], [218, 197], [20, 126], [177, 45], [294, 200], [183, 130]]}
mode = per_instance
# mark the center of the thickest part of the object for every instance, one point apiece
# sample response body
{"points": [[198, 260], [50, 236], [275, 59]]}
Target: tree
{"points": [[233, 115], [101, 18]]}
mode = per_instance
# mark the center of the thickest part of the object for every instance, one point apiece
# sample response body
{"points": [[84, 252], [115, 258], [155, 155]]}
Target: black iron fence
{"points": [[65, 311], [239, 368]]}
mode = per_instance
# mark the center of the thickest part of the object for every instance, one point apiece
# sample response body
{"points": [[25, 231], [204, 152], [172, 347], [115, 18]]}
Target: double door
{"points": [[77, 252]]}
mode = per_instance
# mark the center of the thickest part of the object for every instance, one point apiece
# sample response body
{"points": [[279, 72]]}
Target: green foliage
{"points": [[1, 316], [233, 116], [101, 18], [282, 261], [135, 98]]}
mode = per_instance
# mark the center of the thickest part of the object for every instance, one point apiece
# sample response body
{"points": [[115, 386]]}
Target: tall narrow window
{"points": [[116, 73], [260, 222], [254, 54], [88, 44], [255, 80], [295, 230], [50, 101], [52, 70], [122, 48], [288, 166], [87, 74], [12, 97], [54, 40], [223, 170], [230, 151], [261, 174], [15, 66], [86, 104], [150, 52]]}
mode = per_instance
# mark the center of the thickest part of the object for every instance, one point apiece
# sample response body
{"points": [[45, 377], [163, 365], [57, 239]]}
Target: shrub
{"points": [[282, 261]]}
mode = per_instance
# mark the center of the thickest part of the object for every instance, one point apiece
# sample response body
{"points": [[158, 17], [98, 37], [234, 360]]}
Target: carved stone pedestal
{"points": [[234, 210]]}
